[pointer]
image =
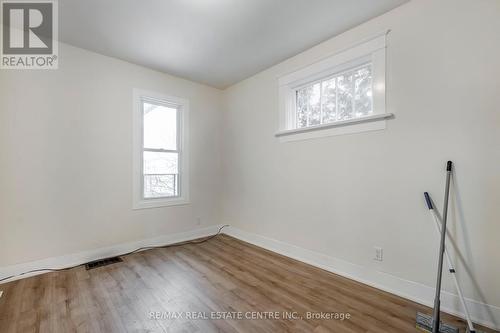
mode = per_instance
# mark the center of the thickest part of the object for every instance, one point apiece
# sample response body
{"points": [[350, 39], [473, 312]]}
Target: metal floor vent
{"points": [[103, 262]]}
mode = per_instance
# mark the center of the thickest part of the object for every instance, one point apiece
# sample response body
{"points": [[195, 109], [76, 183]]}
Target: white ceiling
{"points": [[216, 42]]}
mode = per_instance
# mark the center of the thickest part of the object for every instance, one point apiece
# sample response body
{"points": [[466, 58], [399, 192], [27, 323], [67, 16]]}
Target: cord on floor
{"points": [[119, 255]]}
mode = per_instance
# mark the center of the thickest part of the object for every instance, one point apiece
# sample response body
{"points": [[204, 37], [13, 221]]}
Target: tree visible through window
{"points": [[160, 150], [346, 95]]}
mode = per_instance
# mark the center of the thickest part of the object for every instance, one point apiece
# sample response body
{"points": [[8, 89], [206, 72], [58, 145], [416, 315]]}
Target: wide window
{"points": [[344, 96], [341, 94], [160, 178]]}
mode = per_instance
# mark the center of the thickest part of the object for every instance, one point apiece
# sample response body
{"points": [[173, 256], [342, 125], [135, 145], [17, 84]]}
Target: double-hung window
{"points": [[343, 93], [160, 150]]}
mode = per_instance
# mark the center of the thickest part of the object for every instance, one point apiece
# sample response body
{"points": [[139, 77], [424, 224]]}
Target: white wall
{"points": [[343, 195], [66, 157]]}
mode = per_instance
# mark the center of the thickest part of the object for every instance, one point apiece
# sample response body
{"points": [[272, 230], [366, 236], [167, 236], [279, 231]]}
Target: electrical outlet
{"points": [[198, 221], [379, 253]]}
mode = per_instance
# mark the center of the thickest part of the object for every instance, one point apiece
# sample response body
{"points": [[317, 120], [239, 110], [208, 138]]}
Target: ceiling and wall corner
{"points": [[216, 42]]}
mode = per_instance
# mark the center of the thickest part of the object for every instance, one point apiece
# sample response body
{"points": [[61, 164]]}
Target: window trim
{"points": [[339, 123], [372, 50], [182, 106]]}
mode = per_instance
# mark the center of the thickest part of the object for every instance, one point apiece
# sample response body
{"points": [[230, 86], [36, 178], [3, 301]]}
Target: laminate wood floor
{"points": [[189, 287]]}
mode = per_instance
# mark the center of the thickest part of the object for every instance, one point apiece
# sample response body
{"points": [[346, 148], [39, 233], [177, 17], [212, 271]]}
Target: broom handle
{"points": [[437, 301], [450, 265]]}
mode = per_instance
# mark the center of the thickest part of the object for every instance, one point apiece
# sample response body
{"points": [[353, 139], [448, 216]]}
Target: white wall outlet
{"points": [[198, 221], [379, 253]]}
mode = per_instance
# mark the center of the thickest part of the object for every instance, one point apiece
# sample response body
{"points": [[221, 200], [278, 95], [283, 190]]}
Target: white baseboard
{"points": [[481, 313], [110, 251]]}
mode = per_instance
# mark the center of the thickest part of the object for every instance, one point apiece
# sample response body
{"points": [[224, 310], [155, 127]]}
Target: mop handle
{"points": [[450, 265], [437, 300], [428, 201]]}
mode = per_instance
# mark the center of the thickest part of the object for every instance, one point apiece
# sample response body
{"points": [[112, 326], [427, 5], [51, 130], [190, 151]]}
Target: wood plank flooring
{"points": [[200, 283]]}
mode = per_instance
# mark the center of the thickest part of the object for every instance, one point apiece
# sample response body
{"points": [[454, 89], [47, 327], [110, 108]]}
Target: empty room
{"points": [[249, 166]]}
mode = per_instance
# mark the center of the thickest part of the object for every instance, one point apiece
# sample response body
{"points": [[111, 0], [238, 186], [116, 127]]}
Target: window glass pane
{"points": [[161, 186], [328, 100], [315, 106], [161, 174], [342, 97], [308, 106], [302, 102], [160, 127], [363, 91], [345, 94]]}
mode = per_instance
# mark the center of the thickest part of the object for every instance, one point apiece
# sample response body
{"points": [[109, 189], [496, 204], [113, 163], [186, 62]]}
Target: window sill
{"points": [[160, 202], [369, 123]]}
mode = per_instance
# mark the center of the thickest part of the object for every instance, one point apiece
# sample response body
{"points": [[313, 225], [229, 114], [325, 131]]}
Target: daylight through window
{"points": [[344, 96], [160, 150]]}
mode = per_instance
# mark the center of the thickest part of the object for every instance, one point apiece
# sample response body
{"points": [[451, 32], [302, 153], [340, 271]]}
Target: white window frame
{"points": [[371, 50], [182, 106]]}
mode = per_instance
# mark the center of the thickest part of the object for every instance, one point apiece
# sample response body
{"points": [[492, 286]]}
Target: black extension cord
{"points": [[120, 255]]}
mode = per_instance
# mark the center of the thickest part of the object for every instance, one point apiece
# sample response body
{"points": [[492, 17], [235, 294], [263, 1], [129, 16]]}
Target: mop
{"points": [[470, 325], [433, 324]]}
